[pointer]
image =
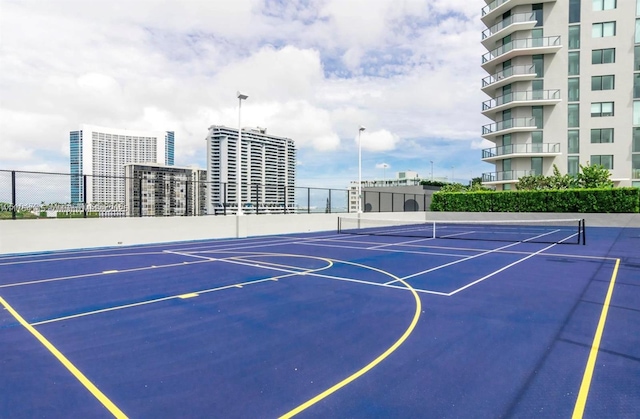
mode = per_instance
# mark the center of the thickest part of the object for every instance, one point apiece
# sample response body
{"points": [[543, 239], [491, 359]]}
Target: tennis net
{"points": [[565, 231]]}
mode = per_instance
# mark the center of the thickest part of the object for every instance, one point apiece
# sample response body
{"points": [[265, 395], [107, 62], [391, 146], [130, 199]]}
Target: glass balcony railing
{"points": [[506, 175], [489, 7], [518, 70], [517, 18], [523, 96], [547, 41], [542, 148], [509, 124]]}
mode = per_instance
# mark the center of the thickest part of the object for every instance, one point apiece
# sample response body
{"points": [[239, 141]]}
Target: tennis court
{"points": [[387, 322]]}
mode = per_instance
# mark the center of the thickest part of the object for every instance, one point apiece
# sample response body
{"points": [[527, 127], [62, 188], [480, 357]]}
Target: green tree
{"points": [[594, 176]]}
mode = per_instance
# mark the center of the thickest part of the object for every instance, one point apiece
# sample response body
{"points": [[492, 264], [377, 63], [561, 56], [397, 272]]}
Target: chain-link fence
{"points": [[30, 195]]}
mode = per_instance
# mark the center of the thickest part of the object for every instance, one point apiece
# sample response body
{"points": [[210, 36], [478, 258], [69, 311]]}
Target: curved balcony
{"points": [[509, 126], [521, 150], [497, 7], [513, 23], [523, 98], [505, 177], [509, 75], [519, 47]]}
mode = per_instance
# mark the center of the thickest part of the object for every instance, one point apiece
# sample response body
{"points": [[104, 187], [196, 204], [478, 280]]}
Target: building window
{"points": [[603, 5], [601, 109], [574, 89], [603, 135], [602, 82], [538, 115], [635, 166], [635, 147], [573, 165], [637, 37], [574, 37], [536, 165], [574, 11], [537, 12], [573, 146], [574, 115], [603, 56], [603, 29], [538, 65], [574, 63], [604, 160], [506, 187], [636, 112], [636, 85], [636, 57]]}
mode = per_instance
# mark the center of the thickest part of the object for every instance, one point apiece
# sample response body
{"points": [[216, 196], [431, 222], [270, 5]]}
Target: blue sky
{"points": [[314, 70]]}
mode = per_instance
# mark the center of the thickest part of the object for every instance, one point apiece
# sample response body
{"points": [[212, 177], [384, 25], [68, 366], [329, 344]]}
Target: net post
{"points": [[13, 194], [338, 225], [584, 232]]}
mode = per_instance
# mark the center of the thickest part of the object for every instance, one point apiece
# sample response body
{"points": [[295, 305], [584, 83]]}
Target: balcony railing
{"points": [[489, 7], [523, 96], [504, 150], [506, 176], [547, 41], [519, 70], [517, 18], [508, 124]]}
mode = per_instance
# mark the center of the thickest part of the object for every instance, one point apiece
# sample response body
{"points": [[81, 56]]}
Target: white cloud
{"points": [[314, 71]]}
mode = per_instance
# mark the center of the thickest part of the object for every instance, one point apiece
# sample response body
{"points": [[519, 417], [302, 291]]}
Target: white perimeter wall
{"points": [[22, 236]]}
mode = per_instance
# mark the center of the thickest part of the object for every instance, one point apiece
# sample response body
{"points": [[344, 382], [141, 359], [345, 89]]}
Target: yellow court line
{"points": [[64, 361], [581, 402], [373, 363]]}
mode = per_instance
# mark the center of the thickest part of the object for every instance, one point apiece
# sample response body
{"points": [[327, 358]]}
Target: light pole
{"points": [[360, 170], [239, 155], [431, 170]]}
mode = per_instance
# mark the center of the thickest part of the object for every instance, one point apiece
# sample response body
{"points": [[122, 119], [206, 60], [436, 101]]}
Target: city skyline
{"points": [[313, 71]]}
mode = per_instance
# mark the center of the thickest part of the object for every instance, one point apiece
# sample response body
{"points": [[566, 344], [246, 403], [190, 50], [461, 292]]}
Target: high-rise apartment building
{"points": [[159, 190], [268, 168], [101, 154], [564, 87]]}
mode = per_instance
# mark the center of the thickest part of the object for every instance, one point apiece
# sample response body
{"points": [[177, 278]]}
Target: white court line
{"points": [[388, 250], [399, 244], [205, 291], [156, 300], [64, 278], [477, 281], [467, 258], [55, 259]]}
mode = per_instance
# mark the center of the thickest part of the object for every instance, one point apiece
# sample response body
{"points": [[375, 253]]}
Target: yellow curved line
{"points": [[581, 401], [373, 363], [115, 411]]}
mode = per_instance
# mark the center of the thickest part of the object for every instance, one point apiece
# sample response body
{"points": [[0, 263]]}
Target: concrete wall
{"points": [[22, 236]]}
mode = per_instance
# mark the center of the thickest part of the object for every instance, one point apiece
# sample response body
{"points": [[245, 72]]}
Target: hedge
{"points": [[609, 200]]}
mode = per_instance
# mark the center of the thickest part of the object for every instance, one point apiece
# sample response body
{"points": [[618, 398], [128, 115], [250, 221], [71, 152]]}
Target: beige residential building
{"points": [[564, 87]]}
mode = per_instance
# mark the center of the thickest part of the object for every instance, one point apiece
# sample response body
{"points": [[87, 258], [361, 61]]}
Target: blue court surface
{"points": [[325, 325]]}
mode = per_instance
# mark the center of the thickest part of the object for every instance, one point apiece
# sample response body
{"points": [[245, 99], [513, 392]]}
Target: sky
{"points": [[314, 70]]}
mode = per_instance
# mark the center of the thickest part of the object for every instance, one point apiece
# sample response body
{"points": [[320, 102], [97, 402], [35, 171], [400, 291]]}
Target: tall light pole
{"points": [[431, 170], [360, 170], [239, 155]]}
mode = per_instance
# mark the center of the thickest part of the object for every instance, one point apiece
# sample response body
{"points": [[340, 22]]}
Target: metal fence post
{"points": [[329, 201], [13, 194], [140, 194], [308, 200], [84, 195]]}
